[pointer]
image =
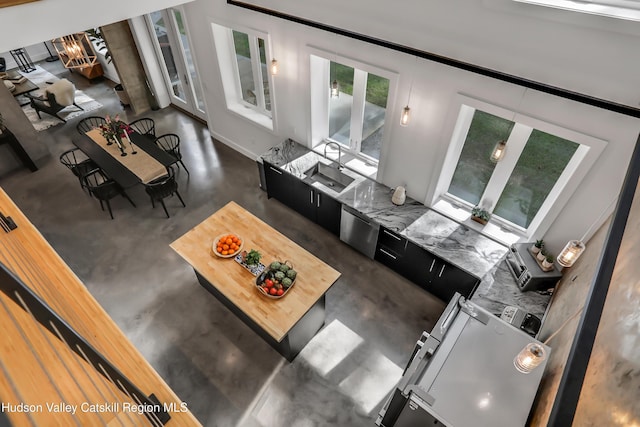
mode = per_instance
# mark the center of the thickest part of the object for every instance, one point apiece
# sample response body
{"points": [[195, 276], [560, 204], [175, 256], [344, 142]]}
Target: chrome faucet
{"points": [[339, 152]]}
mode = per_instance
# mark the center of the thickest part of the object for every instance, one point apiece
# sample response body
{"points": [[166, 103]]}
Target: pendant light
{"points": [[335, 88], [406, 111], [574, 248], [501, 146], [274, 67], [532, 355]]}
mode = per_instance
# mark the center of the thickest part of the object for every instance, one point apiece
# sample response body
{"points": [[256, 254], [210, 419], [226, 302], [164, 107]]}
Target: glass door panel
{"points": [[162, 33], [375, 109], [190, 66], [340, 106], [475, 168]]}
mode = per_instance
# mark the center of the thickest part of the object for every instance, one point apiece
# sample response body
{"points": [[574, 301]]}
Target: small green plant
{"points": [[539, 244], [478, 212], [549, 258], [253, 257]]}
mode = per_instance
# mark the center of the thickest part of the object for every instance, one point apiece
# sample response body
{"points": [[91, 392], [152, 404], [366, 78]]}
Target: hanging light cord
{"points": [[566, 322], [413, 72], [615, 199]]}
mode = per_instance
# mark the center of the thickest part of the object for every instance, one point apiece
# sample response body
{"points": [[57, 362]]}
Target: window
{"points": [[243, 56], [542, 165], [622, 9], [356, 117]]}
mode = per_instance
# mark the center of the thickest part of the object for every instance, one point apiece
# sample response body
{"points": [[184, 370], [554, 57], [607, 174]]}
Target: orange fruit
{"points": [[235, 239], [225, 247], [219, 248], [225, 252], [229, 241], [234, 246]]}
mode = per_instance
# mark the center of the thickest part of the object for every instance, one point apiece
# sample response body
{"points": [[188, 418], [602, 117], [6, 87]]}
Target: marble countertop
{"points": [[498, 289], [456, 243], [440, 235]]}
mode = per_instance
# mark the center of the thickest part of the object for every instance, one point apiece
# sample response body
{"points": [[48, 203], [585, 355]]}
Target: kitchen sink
{"points": [[329, 176]]}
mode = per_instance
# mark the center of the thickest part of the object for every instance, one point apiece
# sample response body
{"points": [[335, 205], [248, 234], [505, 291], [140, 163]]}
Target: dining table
{"points": [[149, 162]]}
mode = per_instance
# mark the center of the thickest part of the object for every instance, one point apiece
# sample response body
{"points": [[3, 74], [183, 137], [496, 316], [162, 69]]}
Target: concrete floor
{"points": [[227, 375]]}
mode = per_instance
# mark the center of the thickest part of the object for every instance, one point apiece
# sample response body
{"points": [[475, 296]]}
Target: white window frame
{"points": [[230, 75], [320, 76], [583, 159], [620, 9]]}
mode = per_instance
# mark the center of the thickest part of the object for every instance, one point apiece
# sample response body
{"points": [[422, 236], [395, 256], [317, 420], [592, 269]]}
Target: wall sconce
{"points": [[574, 248], [529, 357], [274, 67], [75, 50], [498, 151], [406, 115]]}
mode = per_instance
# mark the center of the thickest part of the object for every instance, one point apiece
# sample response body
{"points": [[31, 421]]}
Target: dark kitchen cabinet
{"points": [[447, 279], [430, 272], [390, 250], [279, 183], [328, 212], [303, 198]]}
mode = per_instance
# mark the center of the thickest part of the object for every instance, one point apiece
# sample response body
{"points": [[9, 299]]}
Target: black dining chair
{"points": [[104, 189], [78, 163], [170, 142], [144, 126], [89, 123], [163, 187]]}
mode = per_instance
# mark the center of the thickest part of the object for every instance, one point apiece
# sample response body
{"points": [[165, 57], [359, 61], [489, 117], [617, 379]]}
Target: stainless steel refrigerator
{"points": [[463, 374]]}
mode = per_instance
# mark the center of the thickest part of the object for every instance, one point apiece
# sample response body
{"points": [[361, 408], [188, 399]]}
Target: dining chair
{"points": [[170, 142], [78, 163], [104, 189], [163, 187], [89, 123], [144, 126]]}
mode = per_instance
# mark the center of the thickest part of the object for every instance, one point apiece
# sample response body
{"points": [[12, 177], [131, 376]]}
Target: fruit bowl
{"points": [[222, 248], [278, 275]]}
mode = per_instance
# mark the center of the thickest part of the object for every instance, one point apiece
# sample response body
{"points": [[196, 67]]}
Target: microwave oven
{"points": [[525, 269]]}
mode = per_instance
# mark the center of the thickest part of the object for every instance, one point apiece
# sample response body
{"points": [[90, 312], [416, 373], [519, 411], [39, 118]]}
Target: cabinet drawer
{"points": [[389, 258], [391, 240]]}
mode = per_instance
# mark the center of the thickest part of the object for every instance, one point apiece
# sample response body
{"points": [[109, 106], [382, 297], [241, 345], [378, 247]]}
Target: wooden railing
{"points": [[63, 361]]}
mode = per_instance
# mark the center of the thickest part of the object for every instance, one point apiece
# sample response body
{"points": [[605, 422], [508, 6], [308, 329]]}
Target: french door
{"points": [[168, 30]]}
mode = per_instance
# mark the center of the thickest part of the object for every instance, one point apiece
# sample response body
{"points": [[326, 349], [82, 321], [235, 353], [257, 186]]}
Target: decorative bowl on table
{"points": [[276, 281], [227, 245]]}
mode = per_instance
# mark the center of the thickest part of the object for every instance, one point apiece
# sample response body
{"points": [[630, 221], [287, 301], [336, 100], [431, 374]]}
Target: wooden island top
{"points": [[276, 317]]}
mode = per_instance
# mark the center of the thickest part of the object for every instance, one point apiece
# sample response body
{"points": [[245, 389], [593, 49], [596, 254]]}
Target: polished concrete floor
{"points": [[227, 375]]}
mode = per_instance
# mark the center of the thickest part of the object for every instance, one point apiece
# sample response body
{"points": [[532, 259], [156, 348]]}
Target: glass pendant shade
{"points": [[335, 89], [274, 67], [498, 151], [529, 358], [571, 253], [406, 116]]}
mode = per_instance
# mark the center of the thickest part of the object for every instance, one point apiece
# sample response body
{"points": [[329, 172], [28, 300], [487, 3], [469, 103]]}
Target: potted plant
{"points": [[541, 255], [251, 258], [537, 246], [548, 261], [480, 215]]}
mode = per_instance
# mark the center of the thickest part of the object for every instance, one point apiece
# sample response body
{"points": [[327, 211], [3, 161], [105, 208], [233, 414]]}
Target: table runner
{"points": [[141, 164]]}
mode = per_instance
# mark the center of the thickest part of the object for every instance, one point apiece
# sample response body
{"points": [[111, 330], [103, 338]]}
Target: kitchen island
{"points": [[288, 323]]}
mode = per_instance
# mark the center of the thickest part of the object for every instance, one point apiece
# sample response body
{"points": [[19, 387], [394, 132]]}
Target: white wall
{"points": [[572, 51], [31, 23]]}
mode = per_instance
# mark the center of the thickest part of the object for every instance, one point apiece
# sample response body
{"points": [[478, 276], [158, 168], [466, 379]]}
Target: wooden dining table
{"points": [[115, 168]]}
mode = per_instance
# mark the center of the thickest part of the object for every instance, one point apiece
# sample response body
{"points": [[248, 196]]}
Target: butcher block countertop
{"points": [[276, 316]]}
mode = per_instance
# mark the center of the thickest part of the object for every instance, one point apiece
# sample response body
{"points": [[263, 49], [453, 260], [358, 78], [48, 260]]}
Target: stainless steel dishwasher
{"points": [[358, 231]]}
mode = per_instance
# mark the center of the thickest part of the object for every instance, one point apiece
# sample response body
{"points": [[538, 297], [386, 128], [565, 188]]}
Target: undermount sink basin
{"points": [[329, 176]]}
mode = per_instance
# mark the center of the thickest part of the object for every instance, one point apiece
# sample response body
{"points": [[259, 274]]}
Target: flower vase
{"points": [[120, 145]]}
